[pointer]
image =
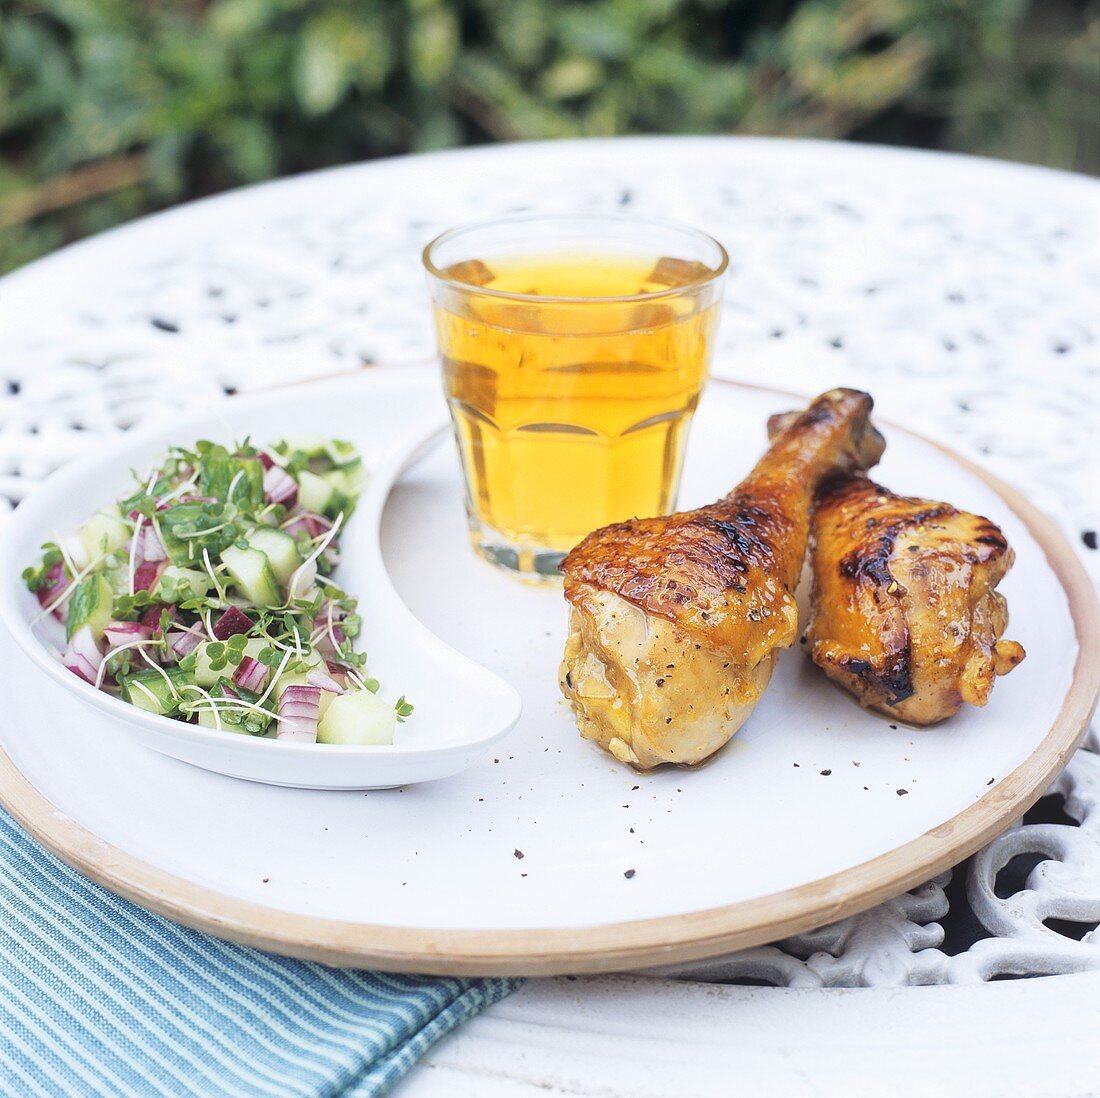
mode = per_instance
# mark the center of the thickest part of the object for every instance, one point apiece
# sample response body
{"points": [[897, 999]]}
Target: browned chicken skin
{"points": [[904, 612], [676, 621]]}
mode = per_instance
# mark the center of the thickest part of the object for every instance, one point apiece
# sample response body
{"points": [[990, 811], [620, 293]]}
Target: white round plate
{"points": [[519, 865], [461, 709]]}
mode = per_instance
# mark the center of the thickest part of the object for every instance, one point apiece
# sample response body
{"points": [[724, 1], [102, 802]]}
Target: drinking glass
{"points": [[574, 352]]}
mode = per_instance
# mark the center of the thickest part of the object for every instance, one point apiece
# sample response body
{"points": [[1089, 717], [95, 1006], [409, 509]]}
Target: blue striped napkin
{"points": [[98, 996]]}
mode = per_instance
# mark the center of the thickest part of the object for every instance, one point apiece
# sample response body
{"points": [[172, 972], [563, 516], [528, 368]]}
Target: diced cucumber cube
{"points": [[341, 453], [249, 722], [179, 584], [310, 445], [91, 603], [156, 691], [251, 572], [206, 719], [245, 476], [280, 550], [358, 717], [183, 518], [350, 480], [314, 492], [118, 579], [103, 533]]}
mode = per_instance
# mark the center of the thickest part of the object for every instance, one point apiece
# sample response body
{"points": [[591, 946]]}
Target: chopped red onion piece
{"points": [[82, 656], [324, 643], [54, 585], [265, 460], [125, 632], [280, 486], [251, 674], [299, 711], [186, 641], [151, 618], [317, 677], [147, 574], [149, 546], [233, 621], [313, 525], [333, 610]]}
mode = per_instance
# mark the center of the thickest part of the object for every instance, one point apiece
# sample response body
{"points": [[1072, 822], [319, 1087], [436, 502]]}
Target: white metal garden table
{"points": [[964, 294]]}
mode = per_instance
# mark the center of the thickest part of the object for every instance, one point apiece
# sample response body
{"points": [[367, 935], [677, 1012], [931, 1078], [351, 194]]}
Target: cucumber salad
{"points": [[207, 595]]}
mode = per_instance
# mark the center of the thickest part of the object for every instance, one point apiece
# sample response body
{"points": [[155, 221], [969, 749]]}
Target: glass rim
{"points": [[440, 275]]}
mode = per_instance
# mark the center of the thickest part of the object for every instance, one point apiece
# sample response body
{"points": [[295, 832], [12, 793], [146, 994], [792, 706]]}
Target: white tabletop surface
{"points": [[965, 294]]}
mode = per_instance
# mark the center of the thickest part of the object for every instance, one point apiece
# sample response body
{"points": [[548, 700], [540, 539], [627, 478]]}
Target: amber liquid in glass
{"points": [[571, 415]]}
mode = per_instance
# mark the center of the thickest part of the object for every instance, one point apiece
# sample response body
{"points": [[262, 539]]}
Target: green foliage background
{"points": [[111, 108]]}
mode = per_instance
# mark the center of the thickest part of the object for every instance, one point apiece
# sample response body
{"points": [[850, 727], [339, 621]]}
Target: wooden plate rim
{"points": [[622, 946]]}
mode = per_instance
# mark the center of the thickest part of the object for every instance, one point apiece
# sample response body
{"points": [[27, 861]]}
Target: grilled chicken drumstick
{"points": [[904, 612], [676, 622]]}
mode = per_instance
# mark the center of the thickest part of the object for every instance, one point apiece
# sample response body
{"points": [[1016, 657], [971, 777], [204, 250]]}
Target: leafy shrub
{"points": [[109, 108]]}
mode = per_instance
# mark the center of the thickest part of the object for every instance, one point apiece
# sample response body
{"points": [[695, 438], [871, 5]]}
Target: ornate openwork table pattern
{"points": [[965, 294]]}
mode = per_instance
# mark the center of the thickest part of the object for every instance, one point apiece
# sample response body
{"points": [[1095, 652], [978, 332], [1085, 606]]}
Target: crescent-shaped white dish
{"points": [[461, 709]]}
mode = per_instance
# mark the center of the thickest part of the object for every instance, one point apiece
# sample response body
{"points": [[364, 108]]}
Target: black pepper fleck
{"points": [[902, 792], [628, 874], [825, 773], [1089, 537], [517, 853]]}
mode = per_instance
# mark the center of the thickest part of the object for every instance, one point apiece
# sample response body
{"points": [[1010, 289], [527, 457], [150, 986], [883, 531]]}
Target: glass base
{"points": [[531, 563]]}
